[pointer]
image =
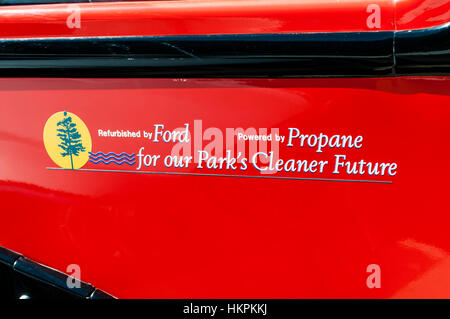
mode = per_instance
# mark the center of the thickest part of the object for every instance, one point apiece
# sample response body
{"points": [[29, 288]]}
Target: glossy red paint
{"points": [[194, 17], [218, 17], [421, 13], [158, 236]]}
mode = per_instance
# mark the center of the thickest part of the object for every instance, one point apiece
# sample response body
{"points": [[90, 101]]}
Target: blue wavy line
{"points": [[121, 154], [112, 161], [113, 157]]}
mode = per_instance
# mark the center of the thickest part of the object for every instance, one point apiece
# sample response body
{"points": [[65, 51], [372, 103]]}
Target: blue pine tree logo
{"points": [[70, 138]]}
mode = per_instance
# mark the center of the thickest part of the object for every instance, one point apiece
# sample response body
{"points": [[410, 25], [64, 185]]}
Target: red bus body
{"points": [[202, 232]]}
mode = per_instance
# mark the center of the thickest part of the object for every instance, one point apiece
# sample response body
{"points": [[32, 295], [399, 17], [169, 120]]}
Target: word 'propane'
{"points": [[323, 140]]}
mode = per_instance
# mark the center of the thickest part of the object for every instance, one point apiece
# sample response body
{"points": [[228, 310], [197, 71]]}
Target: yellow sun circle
{"points": [[67, 140]]}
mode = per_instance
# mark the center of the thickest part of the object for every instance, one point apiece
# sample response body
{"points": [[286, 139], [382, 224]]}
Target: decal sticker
{"points": [[288, 153]]}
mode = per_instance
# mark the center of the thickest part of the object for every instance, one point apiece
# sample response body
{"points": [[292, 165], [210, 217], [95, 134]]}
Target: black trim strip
{"points": [[22, 276], [210, 56], [351, 54], [424, 51]]}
